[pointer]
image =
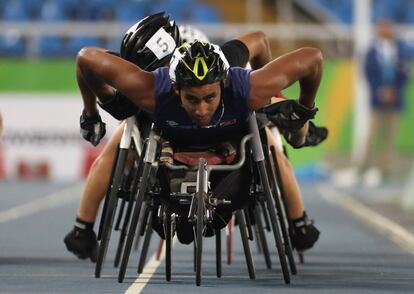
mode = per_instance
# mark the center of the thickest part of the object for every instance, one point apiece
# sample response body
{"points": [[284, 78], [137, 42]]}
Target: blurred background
{"points": [[41, 105]]}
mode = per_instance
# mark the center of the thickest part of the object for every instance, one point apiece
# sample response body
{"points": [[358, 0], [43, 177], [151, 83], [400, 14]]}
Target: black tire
{"points": [[123, 233], [245, 241], [280, 212], [262, 236], [218, 252], [273, 220], [200, 197], [168, 244], [108, 191], [248, 224], [120, 215], [145, 245], [134, 221], [131, 200], [199, 236], [110, 211]]}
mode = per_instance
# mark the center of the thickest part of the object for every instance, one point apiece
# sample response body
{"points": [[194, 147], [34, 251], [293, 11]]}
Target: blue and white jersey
{"points": [[229, 120]]}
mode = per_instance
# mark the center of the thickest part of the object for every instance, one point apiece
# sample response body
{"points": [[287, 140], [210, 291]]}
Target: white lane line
{"points": [[54, 200], [383, 225], [149, 269]]}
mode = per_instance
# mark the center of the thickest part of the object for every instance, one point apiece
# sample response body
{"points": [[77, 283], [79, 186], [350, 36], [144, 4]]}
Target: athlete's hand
{"points": [[289, 115], [92, 128]]}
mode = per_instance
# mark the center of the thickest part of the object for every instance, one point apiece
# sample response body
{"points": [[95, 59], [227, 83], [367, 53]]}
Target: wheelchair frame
{"points": [[138, 217]]}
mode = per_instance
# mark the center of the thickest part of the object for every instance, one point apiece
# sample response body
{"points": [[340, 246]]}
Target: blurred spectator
{"points": [[386, 70]]}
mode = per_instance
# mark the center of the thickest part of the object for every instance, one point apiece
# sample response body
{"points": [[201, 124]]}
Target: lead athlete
{"points": [[243, 49]]}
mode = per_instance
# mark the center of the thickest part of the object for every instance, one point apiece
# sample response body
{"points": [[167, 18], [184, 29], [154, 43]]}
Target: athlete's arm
{"points": [[303, 65], [259, 48], [99, 71]]}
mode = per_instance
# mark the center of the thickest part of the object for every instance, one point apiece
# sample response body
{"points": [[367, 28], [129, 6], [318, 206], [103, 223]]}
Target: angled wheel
{"points": [[108, 192], [199, 237], [168, 244], [134, 221], [110, 211], [218, 252], [245, 240], [276, 185], [200, 196], [274, 220], [262, 236], [145, 245], [131, 200], [229, 242]]}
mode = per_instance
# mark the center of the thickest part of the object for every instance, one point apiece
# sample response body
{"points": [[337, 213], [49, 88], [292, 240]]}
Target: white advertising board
{"points": [[44, 129]]}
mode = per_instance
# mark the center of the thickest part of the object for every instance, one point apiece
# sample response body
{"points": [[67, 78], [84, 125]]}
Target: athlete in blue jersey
{"points": [[252, 47], [209, 97]]}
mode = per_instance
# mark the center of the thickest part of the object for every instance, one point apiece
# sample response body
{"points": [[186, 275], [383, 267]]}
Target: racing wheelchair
{"points": [[140, 192]]}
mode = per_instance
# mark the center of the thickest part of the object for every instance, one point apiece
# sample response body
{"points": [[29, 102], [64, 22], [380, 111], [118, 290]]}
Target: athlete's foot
{"points": [[305, 233]]}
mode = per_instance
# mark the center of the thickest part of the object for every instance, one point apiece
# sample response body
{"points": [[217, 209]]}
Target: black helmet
{"points": [[150, 42], [198, 63]]}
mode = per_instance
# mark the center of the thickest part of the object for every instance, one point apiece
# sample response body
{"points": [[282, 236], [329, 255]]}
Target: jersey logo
{"points": [[171, 123], [228, 122]]}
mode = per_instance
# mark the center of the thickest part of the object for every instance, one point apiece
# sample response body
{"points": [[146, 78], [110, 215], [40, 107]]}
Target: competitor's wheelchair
{"points": [[140, 191]]}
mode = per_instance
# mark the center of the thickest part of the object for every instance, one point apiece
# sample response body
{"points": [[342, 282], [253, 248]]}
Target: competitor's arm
{"points": [[104, 71], [303, 65], [259, 48]]}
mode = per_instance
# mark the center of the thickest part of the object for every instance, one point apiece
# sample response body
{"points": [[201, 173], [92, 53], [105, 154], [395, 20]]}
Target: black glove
{"points": [[289, 115], [92, 128], [315, 135]]}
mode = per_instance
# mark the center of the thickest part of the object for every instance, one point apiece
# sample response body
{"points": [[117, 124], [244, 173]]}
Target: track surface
{"points": [[34, 217]]}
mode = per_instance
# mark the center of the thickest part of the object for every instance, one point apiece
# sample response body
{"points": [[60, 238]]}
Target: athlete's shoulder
{"points": [[238, 82], [163, 83]]}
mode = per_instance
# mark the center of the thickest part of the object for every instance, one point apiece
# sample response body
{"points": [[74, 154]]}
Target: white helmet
{"points": [[189, 33]]}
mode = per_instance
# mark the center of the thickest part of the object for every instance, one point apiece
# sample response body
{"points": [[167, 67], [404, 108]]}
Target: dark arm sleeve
{"points": [[236, 52]]}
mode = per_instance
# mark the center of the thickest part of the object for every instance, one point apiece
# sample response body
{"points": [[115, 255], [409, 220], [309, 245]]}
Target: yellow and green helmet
{"points": [[198, 63]]}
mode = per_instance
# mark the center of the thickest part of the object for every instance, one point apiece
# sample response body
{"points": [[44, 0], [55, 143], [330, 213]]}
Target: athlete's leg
{"points": [[305, 233], [81, 240], [294, 197], [98, 179]]}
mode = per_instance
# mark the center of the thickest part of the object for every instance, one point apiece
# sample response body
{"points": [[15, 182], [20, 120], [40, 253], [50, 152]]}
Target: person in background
{"points": [[386, 71]]}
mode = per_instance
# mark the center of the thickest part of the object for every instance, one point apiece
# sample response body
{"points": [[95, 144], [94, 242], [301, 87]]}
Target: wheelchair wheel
{"points": [[245, 241], [168, 244], [108, 191], [229, 241], [145, 245], [218, 252], [110, 211], [199, 238], [273, 220], [262, 236], [130, 200], [123, 233], [200, 197], [275, 184], [134, 221]]}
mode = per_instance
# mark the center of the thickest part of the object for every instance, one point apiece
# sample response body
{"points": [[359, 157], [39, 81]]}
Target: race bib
{"points": [[161, 44]]}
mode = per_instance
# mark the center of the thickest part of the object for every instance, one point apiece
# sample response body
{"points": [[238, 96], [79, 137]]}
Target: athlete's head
{"points": [[198, 70], [189, 34], [150, 42]]}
